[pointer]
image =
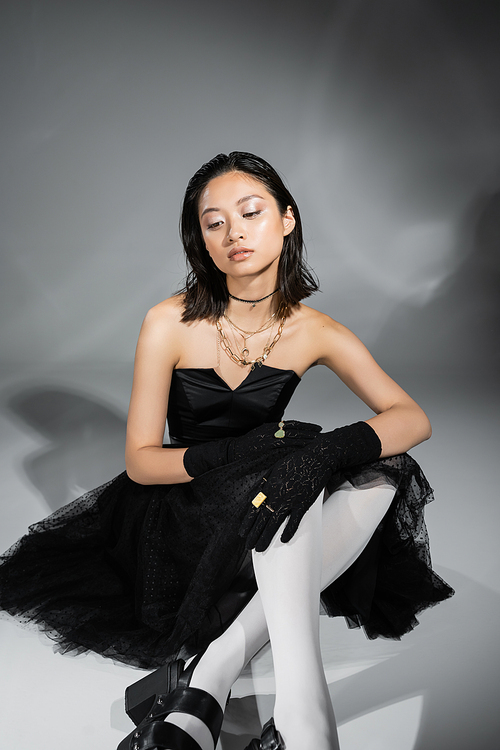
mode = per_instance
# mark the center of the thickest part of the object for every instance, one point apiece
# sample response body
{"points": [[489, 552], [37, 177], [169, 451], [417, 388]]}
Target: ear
{"points": [[288, 221]]}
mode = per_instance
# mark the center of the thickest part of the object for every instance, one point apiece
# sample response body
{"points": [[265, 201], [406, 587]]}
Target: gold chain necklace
{"points": [[244, 353], [248, 334], [263, 327], [224, 343]]}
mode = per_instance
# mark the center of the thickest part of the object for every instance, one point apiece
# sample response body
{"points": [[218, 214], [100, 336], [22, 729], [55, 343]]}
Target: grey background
{"points": [[384, 118]]}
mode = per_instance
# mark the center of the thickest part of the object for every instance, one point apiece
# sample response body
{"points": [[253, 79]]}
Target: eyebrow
{"points": [[238, 203]]}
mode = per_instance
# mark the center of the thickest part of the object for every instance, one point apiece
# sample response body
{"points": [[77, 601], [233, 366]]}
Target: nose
{"points": [[235, 232]]}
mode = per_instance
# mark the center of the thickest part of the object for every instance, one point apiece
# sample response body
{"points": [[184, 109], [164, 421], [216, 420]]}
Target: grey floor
{"points": [[62, 432]]}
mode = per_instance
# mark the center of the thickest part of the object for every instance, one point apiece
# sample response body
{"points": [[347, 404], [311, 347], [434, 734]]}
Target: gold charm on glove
{"points": [[281, 432], [258, 499]]}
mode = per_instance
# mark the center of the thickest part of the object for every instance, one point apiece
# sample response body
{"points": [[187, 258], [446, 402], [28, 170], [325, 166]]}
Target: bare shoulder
{"points": [[313, 318], [163, 322], [166, 314], [161, 331], [325, 340], [317, 323]]}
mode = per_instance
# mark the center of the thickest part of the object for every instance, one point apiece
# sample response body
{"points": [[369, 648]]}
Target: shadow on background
{"points": [[84, 441], [463, 321], [448, 664]]}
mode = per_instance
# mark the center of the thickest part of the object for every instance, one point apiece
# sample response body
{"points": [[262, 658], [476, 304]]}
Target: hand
{"points": [[290, 488], [294, 482], [198, 459]]}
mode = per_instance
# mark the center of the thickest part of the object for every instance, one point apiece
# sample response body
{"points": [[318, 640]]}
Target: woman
{"points": [[225, 538]]}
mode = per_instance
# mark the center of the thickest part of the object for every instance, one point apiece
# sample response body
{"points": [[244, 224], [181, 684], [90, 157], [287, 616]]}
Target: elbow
{"points": [[134, 470], [138, 477], [135, 476], [419, 427], [426, 427], [133, 473]]}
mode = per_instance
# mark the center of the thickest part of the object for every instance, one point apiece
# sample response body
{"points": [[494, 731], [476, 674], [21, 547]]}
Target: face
{"points": [[242, 226]]}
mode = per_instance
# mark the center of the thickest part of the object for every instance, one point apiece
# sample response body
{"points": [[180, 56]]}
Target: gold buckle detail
{"points": [[259, 499]]}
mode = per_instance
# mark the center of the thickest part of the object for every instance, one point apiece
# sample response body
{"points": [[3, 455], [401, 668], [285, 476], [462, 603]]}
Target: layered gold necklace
{"points": [[248, 334], [242, 357]]}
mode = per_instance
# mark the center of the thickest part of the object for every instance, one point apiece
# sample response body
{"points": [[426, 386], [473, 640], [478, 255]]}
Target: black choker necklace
{"points": [[253, 302]]}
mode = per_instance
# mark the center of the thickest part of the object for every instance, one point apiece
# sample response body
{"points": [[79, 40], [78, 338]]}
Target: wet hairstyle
{"points": [[205, 291]]}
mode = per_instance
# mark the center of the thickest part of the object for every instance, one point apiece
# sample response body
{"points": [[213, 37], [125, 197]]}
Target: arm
{"points": [[293, 483], [156, 355], [400, 423]]}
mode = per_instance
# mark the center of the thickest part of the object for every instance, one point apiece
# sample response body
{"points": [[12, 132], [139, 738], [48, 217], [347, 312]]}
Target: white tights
{"points": [[285, 610]]}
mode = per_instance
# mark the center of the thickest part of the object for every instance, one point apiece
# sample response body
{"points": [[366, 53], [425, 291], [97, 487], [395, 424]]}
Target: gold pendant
{"points": [[245, 353], [281, 432]]}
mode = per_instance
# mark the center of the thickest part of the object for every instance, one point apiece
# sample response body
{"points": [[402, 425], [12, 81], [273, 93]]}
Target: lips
{"points": [[239, 253]]}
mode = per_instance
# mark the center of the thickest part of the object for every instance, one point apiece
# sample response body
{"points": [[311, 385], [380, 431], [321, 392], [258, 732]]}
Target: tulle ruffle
{"points": [[392, 580], [144, 573]]}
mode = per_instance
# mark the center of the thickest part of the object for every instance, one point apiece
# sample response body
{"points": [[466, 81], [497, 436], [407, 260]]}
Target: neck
{"points": [[249, 316], [253, 287], [252, 311]]}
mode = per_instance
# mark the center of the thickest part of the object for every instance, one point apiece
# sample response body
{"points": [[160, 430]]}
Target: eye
{"points": [[215, 225], [251, 214]]}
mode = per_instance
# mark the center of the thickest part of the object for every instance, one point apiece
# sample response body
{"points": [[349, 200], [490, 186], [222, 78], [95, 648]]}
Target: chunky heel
{"points": [[140, 696], [152, 733]]}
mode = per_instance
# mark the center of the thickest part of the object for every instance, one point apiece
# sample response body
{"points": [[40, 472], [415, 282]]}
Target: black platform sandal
{"points": [[140, 696], [270, 739], [154, 734]]}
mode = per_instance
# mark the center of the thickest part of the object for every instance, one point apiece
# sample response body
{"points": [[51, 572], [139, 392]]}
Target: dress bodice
{"points": [[203, 407]]}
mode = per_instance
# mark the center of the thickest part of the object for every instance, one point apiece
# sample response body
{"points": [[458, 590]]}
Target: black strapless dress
{"points": [[143, 573]]}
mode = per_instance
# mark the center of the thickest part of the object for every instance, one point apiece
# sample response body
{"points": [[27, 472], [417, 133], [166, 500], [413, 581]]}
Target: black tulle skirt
{"points": [[143, 574]]}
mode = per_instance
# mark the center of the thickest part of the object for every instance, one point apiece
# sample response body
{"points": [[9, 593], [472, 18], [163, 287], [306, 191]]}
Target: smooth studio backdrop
{"points": [[384, 118]]}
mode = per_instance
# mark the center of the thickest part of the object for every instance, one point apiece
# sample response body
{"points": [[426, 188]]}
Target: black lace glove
{"points": [[199, 459], [294, 482]]}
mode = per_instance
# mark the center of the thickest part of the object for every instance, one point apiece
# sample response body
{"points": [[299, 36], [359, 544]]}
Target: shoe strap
{"points": [[157, 735], [192, 701], [187, 672], [270, 738]]}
